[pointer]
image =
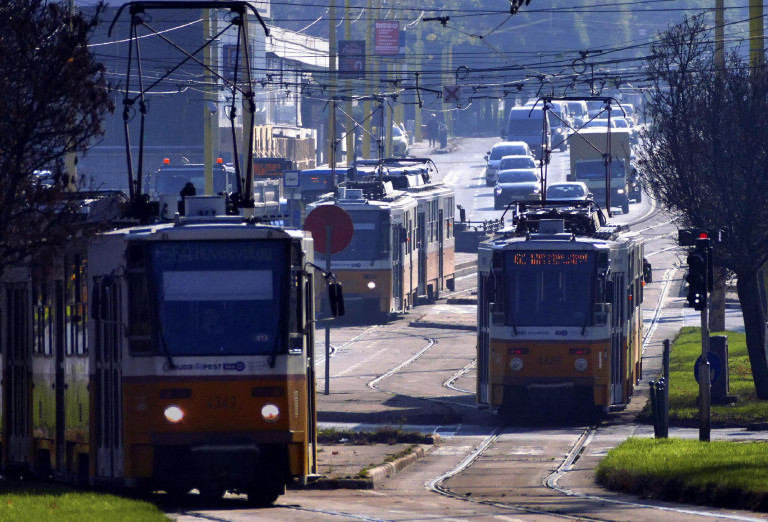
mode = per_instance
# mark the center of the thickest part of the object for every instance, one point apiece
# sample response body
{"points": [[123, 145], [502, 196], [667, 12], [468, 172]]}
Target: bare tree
{"points": [[705, 155], [53, 97]]}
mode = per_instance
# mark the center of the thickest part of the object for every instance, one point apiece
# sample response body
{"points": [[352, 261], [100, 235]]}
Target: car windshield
{"points": [[524, 162], [519, 176], [595, 169], [396, 131], [599, 123], [548, 288], [170, 182], [565, 191], [525, 126], [508, 150], [576, 108], [620, 123]]}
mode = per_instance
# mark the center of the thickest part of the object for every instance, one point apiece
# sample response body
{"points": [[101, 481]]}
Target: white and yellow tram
{"points": [[171, 357], [559, 318], [402, 249]]}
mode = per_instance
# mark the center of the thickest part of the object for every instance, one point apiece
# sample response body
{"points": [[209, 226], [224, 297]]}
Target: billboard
{"points": [[388, 39], [352, 59]]}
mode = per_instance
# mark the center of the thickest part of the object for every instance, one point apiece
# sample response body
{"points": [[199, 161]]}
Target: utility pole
{"points": [[349, 121], [210, 112], [368, 82], [756, 53], [332, 80]]}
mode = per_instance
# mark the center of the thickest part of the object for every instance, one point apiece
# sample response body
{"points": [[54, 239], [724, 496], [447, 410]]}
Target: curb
{"points": [[450, 326], [375, 475], [379, 473]]}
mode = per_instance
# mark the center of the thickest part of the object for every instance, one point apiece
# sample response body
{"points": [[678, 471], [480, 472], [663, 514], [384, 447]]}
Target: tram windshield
{"points": [[549, 288], [370, 240], [220, 297]]}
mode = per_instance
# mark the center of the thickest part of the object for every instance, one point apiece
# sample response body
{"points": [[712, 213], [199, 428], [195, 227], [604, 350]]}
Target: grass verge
{"points": [[718, 473], [380, 436], [24, 501], [684, 390]]}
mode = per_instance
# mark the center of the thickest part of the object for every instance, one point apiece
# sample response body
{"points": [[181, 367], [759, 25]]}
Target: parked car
{"points": [[498, 151], [516, 185], [568, 191]]}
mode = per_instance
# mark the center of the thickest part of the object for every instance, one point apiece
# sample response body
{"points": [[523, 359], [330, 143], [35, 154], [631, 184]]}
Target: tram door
{"points": [[440, 252], [309, 313], [616, 351], [483, 340], [60, 339], [107, 355], [422, 245], [398, 244], [18, 359]]}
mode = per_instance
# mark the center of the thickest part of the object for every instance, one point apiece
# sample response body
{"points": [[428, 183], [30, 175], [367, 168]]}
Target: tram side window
{"points": [[43, 320], [434, 220], [139, 332], [448, 213], [76, 314]]}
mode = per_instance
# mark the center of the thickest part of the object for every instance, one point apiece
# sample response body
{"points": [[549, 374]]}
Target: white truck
{"points": [[167, 184], [588, 164]]}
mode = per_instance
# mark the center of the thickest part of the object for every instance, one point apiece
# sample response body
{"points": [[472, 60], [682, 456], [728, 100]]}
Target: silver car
{"points": [[499, 150], [568, 191]]}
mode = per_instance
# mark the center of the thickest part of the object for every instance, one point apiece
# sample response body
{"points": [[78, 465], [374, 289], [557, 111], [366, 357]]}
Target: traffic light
{"points": [[698, 275]]}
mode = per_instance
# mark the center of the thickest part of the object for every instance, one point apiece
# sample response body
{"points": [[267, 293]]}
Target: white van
{"points": [[526, 124]]}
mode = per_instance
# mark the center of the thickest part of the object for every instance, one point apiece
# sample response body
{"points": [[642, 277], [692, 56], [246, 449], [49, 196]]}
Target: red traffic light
{"points": [[703, 235]]}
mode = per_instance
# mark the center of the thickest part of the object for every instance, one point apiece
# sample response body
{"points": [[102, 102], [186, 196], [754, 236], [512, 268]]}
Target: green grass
{"points": [[718, 473], [24, 501], [684, 390]]}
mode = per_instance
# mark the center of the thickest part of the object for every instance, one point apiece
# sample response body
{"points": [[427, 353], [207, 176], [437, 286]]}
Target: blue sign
{"points": [[715, 367]]}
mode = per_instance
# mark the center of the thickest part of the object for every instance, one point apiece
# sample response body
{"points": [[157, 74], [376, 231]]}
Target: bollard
{"points": [[660, 409], [654, 410], [663, 400]]}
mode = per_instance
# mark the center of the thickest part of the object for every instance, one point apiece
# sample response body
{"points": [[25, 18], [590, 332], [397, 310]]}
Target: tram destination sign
{"points": [[551, 258]]}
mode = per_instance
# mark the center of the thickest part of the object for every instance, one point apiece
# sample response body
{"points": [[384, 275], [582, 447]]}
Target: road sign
{"points": [[451, 93], [333, 219], [291, 179], [715, 367]]}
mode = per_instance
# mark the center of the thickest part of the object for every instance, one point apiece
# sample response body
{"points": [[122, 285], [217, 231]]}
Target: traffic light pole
{"points": [[705, 388]]}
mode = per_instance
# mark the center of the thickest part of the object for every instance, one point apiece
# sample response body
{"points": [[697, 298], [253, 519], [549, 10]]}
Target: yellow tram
{"points": [[559, 314], [402, 250], [173, 357]]}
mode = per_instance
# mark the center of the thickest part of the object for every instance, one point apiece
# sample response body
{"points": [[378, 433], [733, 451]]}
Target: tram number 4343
{"points": [[221, 402], [549, 360]]}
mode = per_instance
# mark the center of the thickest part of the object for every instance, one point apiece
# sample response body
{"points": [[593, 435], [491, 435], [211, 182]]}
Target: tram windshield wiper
{"points": [[166, 351]]}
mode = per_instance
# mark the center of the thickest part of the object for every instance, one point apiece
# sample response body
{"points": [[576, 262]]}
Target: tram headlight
{"points": [[516, 364], [270, 412], [173, 414], [371, 285], [580, 364]]}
